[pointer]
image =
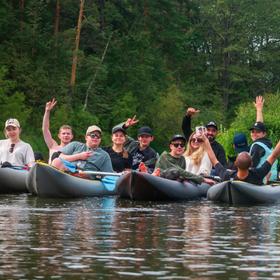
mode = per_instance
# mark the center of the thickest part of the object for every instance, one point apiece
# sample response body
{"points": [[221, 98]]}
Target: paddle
{"points": [[100, 173], [108, 179]]}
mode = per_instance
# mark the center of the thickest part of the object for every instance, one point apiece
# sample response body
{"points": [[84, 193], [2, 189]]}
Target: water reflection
{"points": [[106, 238]]}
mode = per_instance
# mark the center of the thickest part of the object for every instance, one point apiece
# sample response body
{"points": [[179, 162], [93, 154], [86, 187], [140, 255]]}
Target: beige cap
{"points": [[12, 122], [93, 128]]}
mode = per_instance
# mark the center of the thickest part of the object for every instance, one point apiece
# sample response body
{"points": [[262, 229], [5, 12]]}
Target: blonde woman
{"points": [[197, 159]]}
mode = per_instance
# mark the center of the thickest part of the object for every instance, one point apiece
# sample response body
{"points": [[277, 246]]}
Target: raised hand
{"points": [[50, 105], [259, 102], [131, 121], [259, 108], [192, 111]]}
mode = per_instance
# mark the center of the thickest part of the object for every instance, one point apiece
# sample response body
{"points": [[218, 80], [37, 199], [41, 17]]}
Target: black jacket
{"points": [[217, 147]]}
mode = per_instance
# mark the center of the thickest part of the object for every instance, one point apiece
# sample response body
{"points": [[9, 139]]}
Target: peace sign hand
{"points": [[131, 121], [50, 105]]}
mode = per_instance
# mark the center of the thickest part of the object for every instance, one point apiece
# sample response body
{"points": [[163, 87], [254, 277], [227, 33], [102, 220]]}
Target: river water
{"points": [[109, 238]]}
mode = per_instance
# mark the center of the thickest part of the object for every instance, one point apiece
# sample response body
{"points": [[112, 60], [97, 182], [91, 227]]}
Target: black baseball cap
{"points": [[259, 126], [145, 130], [212, 124], [118, 128], [178, 137]]}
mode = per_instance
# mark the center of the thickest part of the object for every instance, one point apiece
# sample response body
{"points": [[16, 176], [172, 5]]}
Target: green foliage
{"points": [[169, 112], [163, 56], [11, 101]]}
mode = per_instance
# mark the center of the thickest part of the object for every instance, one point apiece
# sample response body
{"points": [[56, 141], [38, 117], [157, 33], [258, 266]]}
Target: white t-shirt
{"points": [[21, 155], [204, 167]]}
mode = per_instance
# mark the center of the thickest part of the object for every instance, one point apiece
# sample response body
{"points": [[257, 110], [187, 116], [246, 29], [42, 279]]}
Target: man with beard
{"points": [[211, 133]]}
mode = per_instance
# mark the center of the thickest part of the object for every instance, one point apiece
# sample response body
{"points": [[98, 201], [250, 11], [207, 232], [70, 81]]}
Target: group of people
{"points": [[193, 155]]}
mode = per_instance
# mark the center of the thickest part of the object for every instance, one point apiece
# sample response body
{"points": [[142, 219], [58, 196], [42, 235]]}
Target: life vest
{"points": [[268, 151]]}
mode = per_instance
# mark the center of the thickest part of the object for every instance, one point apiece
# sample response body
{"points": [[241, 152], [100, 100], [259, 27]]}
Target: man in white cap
{"points": [[13, 150], [84, 156]]}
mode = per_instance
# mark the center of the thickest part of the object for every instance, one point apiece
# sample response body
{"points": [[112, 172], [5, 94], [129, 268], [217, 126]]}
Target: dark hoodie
{"points": [[257, 151]]}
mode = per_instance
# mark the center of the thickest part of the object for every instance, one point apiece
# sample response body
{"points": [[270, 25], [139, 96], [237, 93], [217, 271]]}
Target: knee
{"points": [[57, 163]]}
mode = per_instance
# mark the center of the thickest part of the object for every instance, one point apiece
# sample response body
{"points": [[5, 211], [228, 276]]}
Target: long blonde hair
{"points": [[195, 155]]}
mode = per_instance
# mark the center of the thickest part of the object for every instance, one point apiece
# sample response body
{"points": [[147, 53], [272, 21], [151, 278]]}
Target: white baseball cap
{"points": [[12, 122]]}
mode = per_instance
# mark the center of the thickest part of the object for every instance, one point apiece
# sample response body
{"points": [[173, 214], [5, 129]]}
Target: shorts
{"points": [[72, 167]]}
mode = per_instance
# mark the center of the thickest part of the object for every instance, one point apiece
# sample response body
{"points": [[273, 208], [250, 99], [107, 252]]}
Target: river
{"points": [[110, 238]]}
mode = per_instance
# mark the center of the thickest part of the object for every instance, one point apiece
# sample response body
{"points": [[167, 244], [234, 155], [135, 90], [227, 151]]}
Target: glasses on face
{"points": [[12, 148], [94, 135], [196, 140], [176, 145]]}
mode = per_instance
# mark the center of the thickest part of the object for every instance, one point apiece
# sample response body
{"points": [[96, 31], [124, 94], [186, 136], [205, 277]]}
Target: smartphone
{"points": [[200, 130]]}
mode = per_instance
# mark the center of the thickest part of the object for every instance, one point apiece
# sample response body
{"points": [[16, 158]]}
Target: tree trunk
{"points": [[77, 42], [57, 17]]}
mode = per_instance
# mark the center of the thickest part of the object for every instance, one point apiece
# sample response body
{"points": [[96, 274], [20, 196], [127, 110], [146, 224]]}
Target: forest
{"points": [[108, 60]]}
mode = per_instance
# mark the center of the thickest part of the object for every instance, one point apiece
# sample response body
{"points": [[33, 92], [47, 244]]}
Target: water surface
{"points": [[109, 238]]}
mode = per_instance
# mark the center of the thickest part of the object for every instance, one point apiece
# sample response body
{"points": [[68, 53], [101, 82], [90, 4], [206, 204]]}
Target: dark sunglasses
{"points": [[176, 145], [198, 140], [94, 135], [12, 148]]}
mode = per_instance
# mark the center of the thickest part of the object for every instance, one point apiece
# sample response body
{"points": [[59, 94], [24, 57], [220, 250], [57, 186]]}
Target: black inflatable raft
{"points": [[238, 192], [13, 180], [143, 186], [46, 181]]}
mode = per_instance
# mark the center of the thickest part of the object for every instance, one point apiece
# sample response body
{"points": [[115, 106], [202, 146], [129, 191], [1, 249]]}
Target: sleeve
{"points": [[222, 172], [256, 153], [29, 156], [186, 126], [68, 149], [177, 173], [262, 171], [150, 159]]}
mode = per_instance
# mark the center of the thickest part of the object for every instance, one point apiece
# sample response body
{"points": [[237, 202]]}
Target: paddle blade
{"points": [[109, 182]]}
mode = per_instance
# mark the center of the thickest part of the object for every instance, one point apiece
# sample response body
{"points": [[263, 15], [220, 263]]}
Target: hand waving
{"points": [[192, 111], [50, 105], [259, 102]]}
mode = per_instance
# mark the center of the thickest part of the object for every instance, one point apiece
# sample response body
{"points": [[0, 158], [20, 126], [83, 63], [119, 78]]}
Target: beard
{"points": [[211, 138]]}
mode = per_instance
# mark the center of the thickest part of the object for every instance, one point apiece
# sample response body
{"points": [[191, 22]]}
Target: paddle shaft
{"points": [[100, 173]]}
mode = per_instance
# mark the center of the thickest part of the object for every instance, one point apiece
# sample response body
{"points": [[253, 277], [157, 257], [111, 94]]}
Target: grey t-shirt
{"points": [[20, 155], [98, 161]]}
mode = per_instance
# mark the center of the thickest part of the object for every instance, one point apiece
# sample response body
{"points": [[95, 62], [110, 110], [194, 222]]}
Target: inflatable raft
{"points": [[46, 181], [238, 192], [13, 180], [143, 186]]}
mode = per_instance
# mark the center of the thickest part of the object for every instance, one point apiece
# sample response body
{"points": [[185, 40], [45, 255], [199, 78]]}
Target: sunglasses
{"points": [[198, 140], [176, 145], [12, 148], [94, 135]]}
